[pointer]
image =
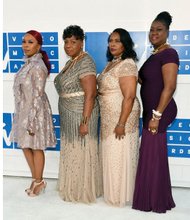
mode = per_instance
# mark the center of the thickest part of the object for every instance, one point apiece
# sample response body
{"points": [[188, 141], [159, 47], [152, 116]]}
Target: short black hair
{"points": [[73, 30], [128, 45]]}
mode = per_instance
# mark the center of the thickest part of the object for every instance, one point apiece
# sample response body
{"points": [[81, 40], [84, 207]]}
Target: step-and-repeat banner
{"points": [[96, 44]]}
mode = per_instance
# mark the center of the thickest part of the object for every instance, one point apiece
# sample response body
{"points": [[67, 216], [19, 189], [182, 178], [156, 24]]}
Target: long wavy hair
{"points": [[45, 57], [128, 45]]}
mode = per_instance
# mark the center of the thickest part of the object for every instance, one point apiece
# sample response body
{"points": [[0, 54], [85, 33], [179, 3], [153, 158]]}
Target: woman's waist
{"points": [[109, 92], [71, 95], [74, 104]]}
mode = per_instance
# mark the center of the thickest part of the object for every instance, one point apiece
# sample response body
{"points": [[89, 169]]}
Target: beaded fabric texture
{"points": [[119, 156]]}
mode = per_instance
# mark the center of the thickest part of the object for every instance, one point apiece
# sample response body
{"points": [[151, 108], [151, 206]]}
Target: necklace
{"points": [[116, 59], [112, 64], [72, 62], [158, 48], [81, 54]]}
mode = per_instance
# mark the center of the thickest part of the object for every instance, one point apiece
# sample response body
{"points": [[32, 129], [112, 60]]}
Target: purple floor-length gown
{"points": [[153, 186]]}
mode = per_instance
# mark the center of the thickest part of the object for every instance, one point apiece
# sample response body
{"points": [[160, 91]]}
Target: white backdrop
{"points": [[92, 16]]}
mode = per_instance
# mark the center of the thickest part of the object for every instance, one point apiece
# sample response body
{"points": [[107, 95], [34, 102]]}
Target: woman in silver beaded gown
{"points": [[80, 167]]}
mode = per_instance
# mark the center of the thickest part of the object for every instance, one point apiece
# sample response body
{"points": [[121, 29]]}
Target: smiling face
{"points": [[73, 46], [158, 34], [30, 45], [115, 46]]}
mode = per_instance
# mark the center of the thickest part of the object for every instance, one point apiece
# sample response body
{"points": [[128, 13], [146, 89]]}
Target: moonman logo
{"points": [[13, 54]]}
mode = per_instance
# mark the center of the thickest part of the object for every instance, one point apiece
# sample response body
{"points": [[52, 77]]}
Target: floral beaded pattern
{"points": [[32, 108]]}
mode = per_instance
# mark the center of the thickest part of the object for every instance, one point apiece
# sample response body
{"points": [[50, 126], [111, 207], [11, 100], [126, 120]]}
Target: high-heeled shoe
{"points": [[31, 186], [41, 188]]}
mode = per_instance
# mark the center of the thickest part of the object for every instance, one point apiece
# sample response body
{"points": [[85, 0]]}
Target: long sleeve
{"points": [[38, 80]]}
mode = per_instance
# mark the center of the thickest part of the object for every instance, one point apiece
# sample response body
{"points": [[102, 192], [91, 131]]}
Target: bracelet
{"points": [[157, 113], [120, 125], [155, 117], [84, 120]]}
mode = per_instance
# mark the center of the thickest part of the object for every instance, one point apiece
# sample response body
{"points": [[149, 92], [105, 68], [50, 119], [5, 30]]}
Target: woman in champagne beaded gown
{"points": [[120, 109]]}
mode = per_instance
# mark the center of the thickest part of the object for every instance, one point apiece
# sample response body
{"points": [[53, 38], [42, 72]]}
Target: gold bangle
{"points": [[84, 120]]}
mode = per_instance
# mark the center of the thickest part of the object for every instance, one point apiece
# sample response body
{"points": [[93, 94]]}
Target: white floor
{"points": [[18, 206]]}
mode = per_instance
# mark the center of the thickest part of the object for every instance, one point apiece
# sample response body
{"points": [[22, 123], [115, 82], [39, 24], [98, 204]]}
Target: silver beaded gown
{"points": [[80, 165]]}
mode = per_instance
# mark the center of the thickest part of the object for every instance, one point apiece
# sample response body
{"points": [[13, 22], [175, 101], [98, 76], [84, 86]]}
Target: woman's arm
{"points": [[89, 87], [128, 85], [169, 73], [38, 80]]}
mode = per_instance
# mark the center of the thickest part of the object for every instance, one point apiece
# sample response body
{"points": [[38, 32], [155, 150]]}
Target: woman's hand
{"points": [[83, 129], [119, 132], [153, 126]]}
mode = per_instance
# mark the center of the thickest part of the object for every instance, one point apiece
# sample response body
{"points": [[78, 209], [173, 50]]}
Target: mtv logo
{"points": [[7, 121]]}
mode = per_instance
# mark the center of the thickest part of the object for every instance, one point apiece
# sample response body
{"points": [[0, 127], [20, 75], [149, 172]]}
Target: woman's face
{"points": [[30, 45], [115, 46], [158, 34], [73, 46]]}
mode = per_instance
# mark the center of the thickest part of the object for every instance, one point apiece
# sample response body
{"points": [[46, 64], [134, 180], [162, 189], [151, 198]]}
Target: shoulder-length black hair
{"points": [[128, 45]]}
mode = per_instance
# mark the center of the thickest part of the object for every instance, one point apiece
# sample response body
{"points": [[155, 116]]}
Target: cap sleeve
{"points": [[127, 68], [170, 56], [87, 67]]}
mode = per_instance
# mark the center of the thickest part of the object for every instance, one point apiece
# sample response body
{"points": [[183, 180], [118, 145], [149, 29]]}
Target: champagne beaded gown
{"points": [[119, 156]]}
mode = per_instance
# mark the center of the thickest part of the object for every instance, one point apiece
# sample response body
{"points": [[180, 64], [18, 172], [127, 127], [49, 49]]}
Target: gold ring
{"points": [[153, 130]]}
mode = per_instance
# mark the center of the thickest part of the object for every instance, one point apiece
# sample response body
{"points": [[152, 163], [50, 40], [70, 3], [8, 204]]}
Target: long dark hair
{"points": [[128, 45], [45, 57]]}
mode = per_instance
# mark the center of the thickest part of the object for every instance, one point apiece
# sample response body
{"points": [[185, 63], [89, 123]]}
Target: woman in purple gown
{"points": [[158, 78]]}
